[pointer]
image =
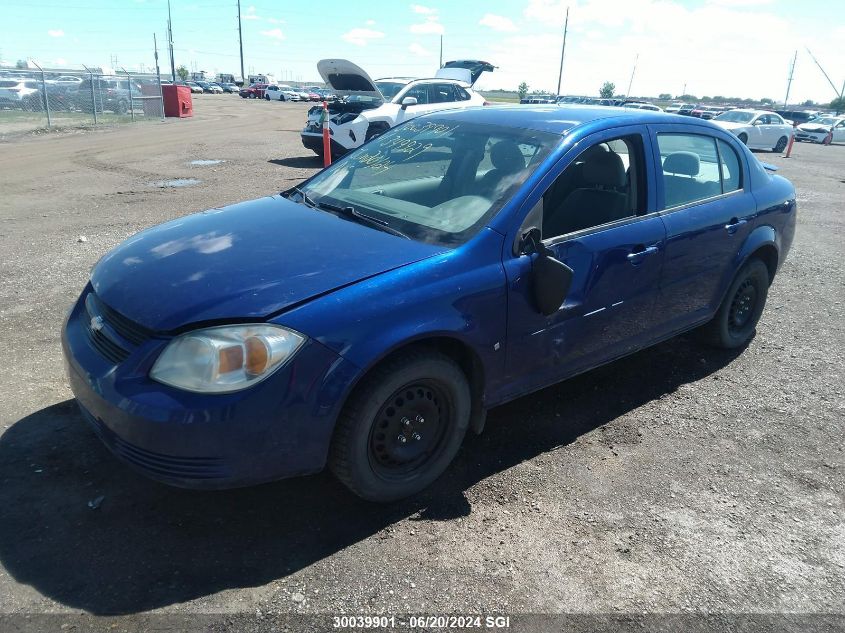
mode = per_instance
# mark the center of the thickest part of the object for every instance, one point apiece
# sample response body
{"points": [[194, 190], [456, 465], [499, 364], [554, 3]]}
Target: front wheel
{"points": [[743, 138], [735, 322], [402, 426], [782, 141]]}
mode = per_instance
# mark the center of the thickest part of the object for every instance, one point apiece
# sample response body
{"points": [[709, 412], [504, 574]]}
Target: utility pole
{"points": [[241, 42], [441, 51], [789, 82], [685, 89], [170, 43], [838, 94], [158, 78], [633, 70], [562, 51]]}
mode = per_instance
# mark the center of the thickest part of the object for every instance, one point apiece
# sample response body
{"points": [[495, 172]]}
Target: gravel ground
{"points": [[678, 480]]}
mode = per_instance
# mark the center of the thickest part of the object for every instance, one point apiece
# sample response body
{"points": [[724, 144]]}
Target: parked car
{"points": [[253, 91], [369, 108], [230, 88], [110, 93], [195, 87], [824, 129], [642, 106], [706, 112], [685, 109], [368, 317], [21, 93], [535, 99], [281, 93], [798, 117], [215, 88], [326, 95], [757, 128]]}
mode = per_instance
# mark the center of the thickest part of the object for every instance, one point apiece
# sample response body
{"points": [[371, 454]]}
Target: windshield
{"points": [[435, 180], [389, 88], [735, 117], [825, 121]]}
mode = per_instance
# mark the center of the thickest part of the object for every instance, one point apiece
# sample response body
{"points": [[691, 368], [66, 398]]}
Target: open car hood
{"points": [[466, 70], [346, 78]]}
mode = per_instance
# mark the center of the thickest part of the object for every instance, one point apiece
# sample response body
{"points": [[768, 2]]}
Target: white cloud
{"points": [[740, 3], [360, 37], [250, 14], [56, 33], [370, 22], [276, 34], [497, 22], [275, 21], [61, 61], [418, 50], [417, 8], [430, 27]]}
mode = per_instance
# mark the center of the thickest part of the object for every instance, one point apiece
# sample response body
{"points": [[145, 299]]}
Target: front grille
{"points": [[158, 464], [101, 320]]}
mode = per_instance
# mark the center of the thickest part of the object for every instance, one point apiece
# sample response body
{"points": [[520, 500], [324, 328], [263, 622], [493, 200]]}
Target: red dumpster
{"points": [[177, 101]]}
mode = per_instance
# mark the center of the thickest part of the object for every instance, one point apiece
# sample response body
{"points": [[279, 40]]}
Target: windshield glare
{"points": [[825, 121], [735, 117], [436, 180]]}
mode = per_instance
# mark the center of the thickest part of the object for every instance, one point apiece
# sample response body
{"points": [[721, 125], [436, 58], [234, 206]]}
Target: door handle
{"points": [[733, 224], [641, 253]]}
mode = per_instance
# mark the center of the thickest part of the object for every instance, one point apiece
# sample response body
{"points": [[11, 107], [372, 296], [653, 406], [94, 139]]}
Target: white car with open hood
{"points": [[759, 129], [366, 108]]}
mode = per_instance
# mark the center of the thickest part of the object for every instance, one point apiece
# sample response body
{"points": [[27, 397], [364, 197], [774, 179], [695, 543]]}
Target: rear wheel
{"points": [[744, 138], [782, 141], [735, 322], [402, 426]]}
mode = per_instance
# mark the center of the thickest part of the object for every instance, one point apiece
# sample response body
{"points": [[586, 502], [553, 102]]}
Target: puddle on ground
{"points": [[176, 182], [207, 161]]}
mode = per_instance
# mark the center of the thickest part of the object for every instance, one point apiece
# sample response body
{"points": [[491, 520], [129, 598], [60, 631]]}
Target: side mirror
{"points": [[408, 101], [550, 279], [757, 122]]}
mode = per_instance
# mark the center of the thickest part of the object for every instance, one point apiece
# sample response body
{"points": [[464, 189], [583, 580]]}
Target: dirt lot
{"points": [[678, 480]]}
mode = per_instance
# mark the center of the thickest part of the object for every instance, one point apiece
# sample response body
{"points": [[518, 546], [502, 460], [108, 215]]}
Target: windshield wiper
{"points": [[353, 214], [305, 199]]}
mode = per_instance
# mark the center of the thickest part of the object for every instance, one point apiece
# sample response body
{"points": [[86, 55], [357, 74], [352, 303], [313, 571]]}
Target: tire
{"points": [[743, 138], [422, 396], [736, 320], [252, 95], [782, 141], [121, 107], [267, 97]]}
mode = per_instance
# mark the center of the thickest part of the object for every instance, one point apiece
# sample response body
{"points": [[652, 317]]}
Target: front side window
{"points": [[435, 180], [420, 93], [692, 168], [604, 184]]}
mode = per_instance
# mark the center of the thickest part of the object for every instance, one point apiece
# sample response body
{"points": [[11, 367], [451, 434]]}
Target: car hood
{"points": [[245, 261], [346, 78], [814, 127]]}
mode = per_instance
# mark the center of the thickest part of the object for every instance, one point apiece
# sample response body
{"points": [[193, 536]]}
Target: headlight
{"points": [[227, 358]]}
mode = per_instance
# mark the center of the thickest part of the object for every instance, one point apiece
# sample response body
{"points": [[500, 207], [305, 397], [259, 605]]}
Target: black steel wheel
{"points": [[402, 426], [736, 320]]}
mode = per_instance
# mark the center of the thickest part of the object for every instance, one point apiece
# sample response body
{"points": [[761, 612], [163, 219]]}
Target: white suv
{"points": [[367, 108]]}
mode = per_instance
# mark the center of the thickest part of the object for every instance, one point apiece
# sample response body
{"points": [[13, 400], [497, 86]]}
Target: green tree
{"points": [[522, 90], [767, 101], [183, 73], [664, 96], [838, 104], [809, 103], [606, 91]]}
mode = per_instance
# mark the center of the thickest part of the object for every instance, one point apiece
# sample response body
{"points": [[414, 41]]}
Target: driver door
{"points": [[613, 240]]}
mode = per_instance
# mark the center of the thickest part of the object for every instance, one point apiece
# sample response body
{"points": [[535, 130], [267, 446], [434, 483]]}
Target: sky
{"points": [[731, 48]]}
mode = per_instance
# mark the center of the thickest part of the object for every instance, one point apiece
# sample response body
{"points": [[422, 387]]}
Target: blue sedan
{"points": [[367, 318]]}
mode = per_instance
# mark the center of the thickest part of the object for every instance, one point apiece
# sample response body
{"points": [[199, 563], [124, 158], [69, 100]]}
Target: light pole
{"points": [[241, 42], [170, 43]]}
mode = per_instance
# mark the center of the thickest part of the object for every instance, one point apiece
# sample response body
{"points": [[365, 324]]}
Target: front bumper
{"points": [[813, 137], [279, 428], [314, 142]]}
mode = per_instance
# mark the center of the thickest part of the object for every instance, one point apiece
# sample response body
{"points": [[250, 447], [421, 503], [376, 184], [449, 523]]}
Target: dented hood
{"points": [[347, 78]]}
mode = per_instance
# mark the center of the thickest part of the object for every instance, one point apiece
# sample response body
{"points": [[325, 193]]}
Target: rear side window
{"points": [[731, 174], [691, 168]]}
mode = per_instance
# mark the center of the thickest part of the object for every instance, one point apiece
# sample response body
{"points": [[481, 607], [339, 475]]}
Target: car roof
{"points": [[559, 119]]}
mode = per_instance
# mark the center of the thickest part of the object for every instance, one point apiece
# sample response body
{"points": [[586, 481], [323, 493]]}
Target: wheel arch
{"points": [[451, 346]]}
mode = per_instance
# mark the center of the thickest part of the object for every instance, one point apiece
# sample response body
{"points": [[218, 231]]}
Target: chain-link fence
{"points": [[34, 98]]}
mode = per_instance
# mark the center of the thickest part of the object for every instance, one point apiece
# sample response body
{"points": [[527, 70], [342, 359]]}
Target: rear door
{"points": [[708, 210]]}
